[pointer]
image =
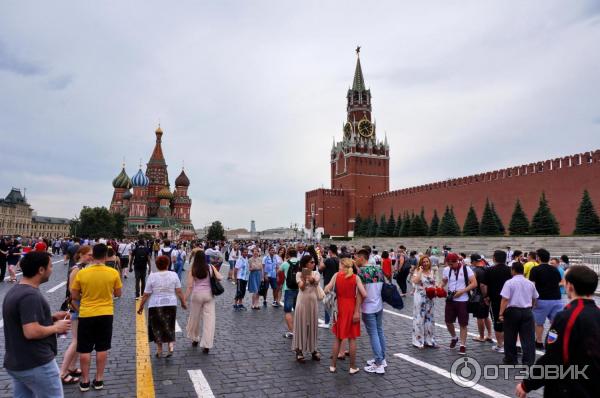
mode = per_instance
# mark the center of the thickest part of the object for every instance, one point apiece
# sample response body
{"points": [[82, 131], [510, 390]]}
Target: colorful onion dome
{"points": [[122, 180], [140, 179], [127, 195], [182, 180], [158, 130], [165, 193]]}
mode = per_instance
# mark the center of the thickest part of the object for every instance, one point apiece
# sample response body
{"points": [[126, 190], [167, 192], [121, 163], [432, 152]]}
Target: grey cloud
{"points": [[60, 82], [11, 62]]}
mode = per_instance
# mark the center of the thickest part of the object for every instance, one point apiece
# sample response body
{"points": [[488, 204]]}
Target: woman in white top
{"points": [[162, 290]]}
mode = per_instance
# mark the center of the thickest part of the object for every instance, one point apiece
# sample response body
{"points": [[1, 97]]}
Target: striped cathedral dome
{"points": [[140, 179], [122, 180], [165, 193]]}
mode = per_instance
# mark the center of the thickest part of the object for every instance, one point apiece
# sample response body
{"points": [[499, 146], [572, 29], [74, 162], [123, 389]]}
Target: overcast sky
{"points": [[250, 93]]}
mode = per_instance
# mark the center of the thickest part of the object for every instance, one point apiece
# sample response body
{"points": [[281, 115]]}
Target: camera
{"points": [[450, 296]]}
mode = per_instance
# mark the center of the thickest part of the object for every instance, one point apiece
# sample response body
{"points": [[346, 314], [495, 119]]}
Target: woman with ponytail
{"points": [[350, 292]]}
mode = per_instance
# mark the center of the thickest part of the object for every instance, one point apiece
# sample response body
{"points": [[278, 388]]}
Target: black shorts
{"points": [[498, 325], [94, 333], [482, 312], [241, 289]]}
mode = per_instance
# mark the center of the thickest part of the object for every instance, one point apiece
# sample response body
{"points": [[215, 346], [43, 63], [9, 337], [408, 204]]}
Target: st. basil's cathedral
{"points": [[147, 202]]}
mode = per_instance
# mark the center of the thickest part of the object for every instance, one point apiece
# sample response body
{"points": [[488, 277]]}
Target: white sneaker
{"points": [[324, 325], [321, 320], [371, 362], [375, 369], [498, 349]]}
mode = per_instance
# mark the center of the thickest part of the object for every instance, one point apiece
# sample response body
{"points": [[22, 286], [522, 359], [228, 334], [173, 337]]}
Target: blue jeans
{"points": [[374, 325], [179, 269], [327, 317], [40, 382]]}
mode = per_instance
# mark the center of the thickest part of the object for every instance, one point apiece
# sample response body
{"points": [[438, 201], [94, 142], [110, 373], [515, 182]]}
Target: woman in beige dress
{"points": [[307, 310]]}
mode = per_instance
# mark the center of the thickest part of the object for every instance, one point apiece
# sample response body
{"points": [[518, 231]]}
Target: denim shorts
{"points": [[273, 283], [546, 309], [289, 300]]}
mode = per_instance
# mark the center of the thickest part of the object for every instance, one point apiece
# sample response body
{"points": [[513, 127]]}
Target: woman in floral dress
{"points": [[423, 323]]}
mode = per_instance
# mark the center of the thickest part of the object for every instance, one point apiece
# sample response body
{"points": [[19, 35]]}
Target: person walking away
{"points": [[372, 278], [3, 256], [155, 248], [95, 286], [234, 254], [547, 283], [573, 340], [124, 252], [141, 267], [423, 333], [270, 265], [167, 251], [69, 373], [280, 276], [518, 297], [290, 289], [13, 257], [30, 332], [112, 260], [161, 293], [386, 265], [346, 326], [494, 278], [456, 302], [242, 268], [307, 311], [530, 264], [202, 304], [178, 257], [483, 314], [403, 268], [256, 276], [329, 268]]}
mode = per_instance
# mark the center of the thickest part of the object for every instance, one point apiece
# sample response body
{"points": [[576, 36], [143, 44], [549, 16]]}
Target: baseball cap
{"points": [[40, 247], [451, 257], [475, 257]]}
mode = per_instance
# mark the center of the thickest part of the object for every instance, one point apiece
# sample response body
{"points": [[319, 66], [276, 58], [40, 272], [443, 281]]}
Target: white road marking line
{"points": [[200, 384], [443, 326], [1, 323], [446, 374], [59, 261], [177, 327], [55, 288]]}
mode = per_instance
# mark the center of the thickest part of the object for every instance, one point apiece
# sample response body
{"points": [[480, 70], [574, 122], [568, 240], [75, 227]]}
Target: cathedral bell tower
{"points": [[359, 162]]}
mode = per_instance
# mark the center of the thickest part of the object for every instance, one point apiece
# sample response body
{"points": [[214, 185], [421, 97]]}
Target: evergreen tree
{"points": [[448, 225], [391, 224], [406, 228], [435, 224], [424, 227], [471, 226], [398, 225], [498, 220], [587, 222], [366, 227], [382, 227], [488, 226], [414, 225], [358, 225], [544, 222], [373, 227], [216, 231], [519, 224]]}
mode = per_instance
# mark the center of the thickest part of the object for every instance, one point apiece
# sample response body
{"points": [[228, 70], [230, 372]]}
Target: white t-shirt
{"points": [[457, 282], [161, 286]]}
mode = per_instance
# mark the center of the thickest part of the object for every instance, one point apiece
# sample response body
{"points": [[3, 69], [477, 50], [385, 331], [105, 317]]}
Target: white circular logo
{"points": [[466, 372]]}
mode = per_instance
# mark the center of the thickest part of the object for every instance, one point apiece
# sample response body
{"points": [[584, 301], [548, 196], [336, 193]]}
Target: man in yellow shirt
{"points": [[531, 262], [94, 287]]}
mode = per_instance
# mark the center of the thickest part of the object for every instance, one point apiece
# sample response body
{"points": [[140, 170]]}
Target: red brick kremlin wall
{"points": [[562, 179]]}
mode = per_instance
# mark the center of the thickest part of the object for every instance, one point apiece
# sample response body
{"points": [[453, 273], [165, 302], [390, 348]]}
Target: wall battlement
{"points": [[547, 166], [325, 192]]}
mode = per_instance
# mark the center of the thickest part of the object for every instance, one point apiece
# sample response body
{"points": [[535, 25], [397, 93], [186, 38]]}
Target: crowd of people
{"points": [[514, 294]]}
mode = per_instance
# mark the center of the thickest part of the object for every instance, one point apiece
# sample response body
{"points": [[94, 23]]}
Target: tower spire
{"points": [[359, 81]]}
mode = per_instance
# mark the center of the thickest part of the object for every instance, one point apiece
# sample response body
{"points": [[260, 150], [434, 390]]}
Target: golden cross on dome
{"points": [[140, 163], [123, 162], [358, 50]]}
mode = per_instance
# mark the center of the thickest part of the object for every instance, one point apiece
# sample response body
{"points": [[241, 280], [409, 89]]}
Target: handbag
{"points": [[320, 293], [390, 295], [475, 299], [215, 286], [263, 288], [330, 301]]}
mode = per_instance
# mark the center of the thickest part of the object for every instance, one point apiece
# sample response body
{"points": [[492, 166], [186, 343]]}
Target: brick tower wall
{"points": [[330, 209], [562, 179]]}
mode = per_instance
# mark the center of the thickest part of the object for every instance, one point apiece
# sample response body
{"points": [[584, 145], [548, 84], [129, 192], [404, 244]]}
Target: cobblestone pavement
{"points": [[252, 359]]}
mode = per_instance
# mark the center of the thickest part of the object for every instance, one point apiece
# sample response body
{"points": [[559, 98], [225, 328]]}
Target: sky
{"points": [[250, 94]]}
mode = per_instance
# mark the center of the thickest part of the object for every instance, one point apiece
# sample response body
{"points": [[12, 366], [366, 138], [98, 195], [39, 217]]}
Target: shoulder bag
{"points": [[330, 301], [215, 286], [475, 299]]}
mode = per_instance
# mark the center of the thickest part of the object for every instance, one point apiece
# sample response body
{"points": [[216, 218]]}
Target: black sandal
{"points": [[316, 356], [75, 372], [299, 357], [68, 380]]}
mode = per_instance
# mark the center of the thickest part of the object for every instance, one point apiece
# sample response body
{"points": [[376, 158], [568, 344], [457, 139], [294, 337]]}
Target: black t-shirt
{"points": [[25, 304], [494, 278], [479, 276], [3, 248], [13, 254], [546, 279], [140, 257], [332, 265]]}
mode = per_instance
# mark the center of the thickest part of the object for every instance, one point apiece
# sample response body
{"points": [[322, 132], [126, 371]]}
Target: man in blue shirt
{"points": [[270, 265]]}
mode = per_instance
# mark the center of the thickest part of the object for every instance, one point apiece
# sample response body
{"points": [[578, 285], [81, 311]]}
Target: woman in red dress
{"points": [[350, 292]]}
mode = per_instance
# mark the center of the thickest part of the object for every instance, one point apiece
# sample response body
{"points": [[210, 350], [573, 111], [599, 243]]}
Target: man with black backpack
{"points": [[141, 265], [290, 289], [167, 250]]}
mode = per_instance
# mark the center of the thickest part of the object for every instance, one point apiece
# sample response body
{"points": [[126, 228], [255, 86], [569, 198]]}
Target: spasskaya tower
{"points": [[359, 168]]}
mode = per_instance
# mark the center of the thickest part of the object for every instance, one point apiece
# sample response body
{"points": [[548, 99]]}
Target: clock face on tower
{"points": [[365, 128], [347, 130]]}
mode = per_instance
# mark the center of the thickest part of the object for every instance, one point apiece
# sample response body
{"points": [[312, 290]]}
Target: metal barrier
{"points": [[592, 261]]}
